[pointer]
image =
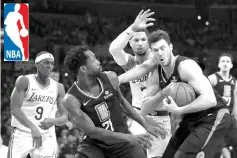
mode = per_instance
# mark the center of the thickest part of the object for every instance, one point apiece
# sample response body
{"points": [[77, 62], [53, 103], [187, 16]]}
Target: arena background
{"points": [[55, 25]]}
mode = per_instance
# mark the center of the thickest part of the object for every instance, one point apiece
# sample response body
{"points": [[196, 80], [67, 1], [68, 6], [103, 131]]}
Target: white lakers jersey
{"points": [[138, 87], [38, 103]]}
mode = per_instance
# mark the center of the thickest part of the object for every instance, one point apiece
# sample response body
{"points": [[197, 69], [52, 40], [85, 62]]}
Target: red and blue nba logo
{"points": [[16, 36]]}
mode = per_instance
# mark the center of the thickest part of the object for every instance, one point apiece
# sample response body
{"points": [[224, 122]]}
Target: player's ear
{"points": [[82, 68], [171, 46], [231, 65], [219, 66]]}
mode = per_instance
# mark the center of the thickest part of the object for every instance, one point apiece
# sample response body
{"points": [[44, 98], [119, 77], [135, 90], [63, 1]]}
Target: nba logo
{"points": [[16, 38]]}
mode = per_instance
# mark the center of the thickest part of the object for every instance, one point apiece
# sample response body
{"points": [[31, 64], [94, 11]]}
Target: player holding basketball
{"points": [[32, 102], [205, 120], [137, 36], [95, 105], [226, 86]]}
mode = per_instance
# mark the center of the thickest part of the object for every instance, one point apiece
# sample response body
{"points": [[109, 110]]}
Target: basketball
{"points": [[182, 93], [24, 32]]}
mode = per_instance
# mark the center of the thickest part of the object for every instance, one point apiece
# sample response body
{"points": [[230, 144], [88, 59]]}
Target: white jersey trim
{"points": [[102, 90]]}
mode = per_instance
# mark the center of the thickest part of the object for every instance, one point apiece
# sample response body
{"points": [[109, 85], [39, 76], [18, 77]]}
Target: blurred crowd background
{"points": [[201, 31]]}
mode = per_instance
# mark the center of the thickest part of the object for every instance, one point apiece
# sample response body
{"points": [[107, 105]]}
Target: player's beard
{"points": [[141, 53]]}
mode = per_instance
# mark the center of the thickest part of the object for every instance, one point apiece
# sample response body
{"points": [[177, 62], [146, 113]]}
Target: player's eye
{"points": [[162, 48]]}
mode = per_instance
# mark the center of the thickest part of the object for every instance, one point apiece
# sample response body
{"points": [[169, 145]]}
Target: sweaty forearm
{"points": [[199, 104], [60, 120], [133, 74], [151, 103], [107, 135], [83, 122], [21, 117], [121, 41]]}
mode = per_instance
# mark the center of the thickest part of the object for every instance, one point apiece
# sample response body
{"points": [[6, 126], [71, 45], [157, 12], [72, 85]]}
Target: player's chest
{"points": [[40, 95], [106, 95]]}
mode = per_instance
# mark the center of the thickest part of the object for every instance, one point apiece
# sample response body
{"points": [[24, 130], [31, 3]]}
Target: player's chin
{"points": [[98, 72], [141, 53]]}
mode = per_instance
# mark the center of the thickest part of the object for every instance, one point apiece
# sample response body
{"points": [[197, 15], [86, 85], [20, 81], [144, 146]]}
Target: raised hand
{"points": [[143, 20]]}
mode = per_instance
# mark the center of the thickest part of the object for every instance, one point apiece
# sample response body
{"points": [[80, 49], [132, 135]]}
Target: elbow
{"points": [[212, 102], [64, 118], [112, 49], [92, 134], [14, 110]]}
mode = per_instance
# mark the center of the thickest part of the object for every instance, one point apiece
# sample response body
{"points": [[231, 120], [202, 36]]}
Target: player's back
{"points": [[104, 109], [38, 103], [226, 89], [138, 86]]}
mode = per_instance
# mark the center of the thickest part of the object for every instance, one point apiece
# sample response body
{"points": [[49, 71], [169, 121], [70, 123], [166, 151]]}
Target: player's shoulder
{"points": [[23, 80], [212, 76], [234, 78], [189, 64], [113, 77], [69, 99], [60, 85], [110, 74]]}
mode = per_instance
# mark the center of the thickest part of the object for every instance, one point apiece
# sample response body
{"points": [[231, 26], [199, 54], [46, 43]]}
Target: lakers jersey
{"points": [[38, 103], [138, 87], [226, 90], [104, 109], [175, 77]]}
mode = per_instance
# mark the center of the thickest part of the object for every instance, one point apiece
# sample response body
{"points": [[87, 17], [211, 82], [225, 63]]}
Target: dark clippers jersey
{"points": [[104, 110], [176, 78], [226, 90]]}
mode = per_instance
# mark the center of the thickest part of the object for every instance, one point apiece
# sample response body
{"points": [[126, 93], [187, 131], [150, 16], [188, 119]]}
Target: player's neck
{"points": [[141, 59], [86, 82], [224, 74], [170, 68], [43, 80]]}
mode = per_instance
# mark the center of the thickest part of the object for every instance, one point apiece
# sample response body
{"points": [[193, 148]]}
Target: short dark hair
{"points": [[225, 55], [158, 35], [75, 58]]}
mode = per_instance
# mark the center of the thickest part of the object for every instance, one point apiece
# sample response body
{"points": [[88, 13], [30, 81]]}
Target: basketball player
{"points": [[32, 101], [205, 120], [12, 28], [95, 105], [226, 86], [137, 36]]}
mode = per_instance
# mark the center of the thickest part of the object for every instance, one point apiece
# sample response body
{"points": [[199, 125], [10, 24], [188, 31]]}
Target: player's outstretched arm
{"points": [[139, 71], [213, 80], [152, 96], [235, 102], [117, 46], [190, 72]]}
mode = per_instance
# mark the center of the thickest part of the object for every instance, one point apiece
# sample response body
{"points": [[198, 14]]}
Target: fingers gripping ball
{"points": [[182, 93], [24, 32]]}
